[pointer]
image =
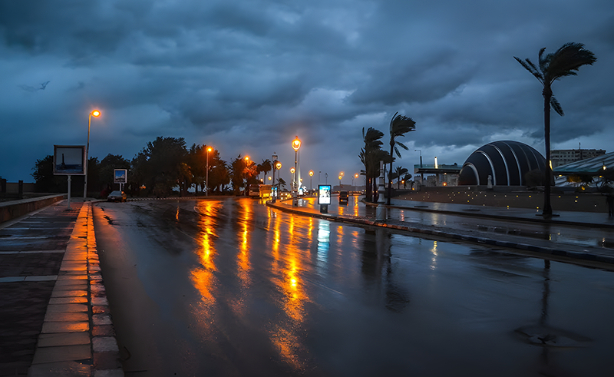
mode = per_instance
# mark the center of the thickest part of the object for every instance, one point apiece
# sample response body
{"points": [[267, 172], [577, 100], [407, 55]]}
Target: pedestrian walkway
{"points": [[551, 248], [55, 319]]}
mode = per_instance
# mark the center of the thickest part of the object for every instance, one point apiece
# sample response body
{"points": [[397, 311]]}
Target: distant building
{"points": [[505, 162], [567, 156]]}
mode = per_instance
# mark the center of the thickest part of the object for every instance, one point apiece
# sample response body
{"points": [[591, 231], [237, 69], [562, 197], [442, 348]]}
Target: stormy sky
{"points": [[248, 76]]}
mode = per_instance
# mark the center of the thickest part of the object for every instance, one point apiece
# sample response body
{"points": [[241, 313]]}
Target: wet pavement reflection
{"points": [[254, 291]]}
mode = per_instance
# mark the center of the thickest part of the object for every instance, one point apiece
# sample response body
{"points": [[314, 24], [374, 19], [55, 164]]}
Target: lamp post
{"points": [[421, 173], [296, 145], [310, 176], [96, 114], [274, 157], [209, 149], [340, 181], [355, 177], [325, 178]]}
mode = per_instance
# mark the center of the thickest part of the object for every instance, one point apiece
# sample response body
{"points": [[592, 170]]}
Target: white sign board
{"points": [[324, 192]]}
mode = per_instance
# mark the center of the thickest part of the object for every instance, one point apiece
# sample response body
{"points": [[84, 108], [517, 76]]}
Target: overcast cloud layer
{"points": [[247, 76]]}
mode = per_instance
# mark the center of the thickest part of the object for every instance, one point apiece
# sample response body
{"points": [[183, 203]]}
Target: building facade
{"points": [[567, 156]]}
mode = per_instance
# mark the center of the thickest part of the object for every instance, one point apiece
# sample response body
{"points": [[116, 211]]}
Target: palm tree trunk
{"points": [[547, 212], [389, 172]]}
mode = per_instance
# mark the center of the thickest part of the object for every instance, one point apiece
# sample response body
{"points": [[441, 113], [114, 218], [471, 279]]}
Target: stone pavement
{"points": [[545, 248], [54, 315]]}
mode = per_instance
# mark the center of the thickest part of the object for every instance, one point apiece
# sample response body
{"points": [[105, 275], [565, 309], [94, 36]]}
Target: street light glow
{"points": [[292, 170], [311, 173], [296, 144], [278, 165], [96, 113]]}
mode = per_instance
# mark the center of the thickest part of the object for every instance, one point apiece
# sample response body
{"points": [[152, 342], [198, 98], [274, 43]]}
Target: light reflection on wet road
{"points": [[234, 288]]}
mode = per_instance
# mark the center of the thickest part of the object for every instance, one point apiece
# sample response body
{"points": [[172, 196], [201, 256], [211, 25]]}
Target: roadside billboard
{"points": [[69, 159], [120, 175], [324, 192]]}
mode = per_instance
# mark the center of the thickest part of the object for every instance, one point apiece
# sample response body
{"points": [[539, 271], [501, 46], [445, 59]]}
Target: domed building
{"points": [[506, 162]]}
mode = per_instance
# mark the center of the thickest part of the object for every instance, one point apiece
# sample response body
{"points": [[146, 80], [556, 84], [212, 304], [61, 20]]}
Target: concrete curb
{"points": [[536, 219], [547, 251], [78, 338]]}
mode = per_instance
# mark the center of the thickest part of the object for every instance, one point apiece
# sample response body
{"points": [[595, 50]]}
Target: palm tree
{"points": [[398, 172], [564, 62], [369, 157], [265, 167], [399, 126]]}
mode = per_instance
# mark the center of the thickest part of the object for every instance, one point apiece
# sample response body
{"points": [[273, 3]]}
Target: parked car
{"points": [[343, 197], [117, 196]]}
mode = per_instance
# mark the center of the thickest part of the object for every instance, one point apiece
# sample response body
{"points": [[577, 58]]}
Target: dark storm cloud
{"points": [[248, 76]]}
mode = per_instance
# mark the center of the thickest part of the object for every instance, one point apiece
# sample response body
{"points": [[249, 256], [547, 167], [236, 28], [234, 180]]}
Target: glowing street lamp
{"points": [[340, 176], [95, 114], [278, 165], [296, 145], [355, 177], [292, 170], [209, 149]]}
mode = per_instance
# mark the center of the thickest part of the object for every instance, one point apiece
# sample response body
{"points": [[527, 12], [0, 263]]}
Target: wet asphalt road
{"points": [[233, 288]]}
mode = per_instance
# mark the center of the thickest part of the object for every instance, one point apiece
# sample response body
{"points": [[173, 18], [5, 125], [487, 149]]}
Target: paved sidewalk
{"points": [[545, 248], [54, 316]]}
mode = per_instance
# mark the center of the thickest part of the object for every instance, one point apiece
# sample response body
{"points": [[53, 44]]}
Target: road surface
{"points": [[233, 288]]}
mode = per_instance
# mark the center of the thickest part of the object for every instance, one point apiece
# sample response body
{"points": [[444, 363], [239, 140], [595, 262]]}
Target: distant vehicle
{"points": [[343, 197], [117, 196], [265, 191], [253, 191]]}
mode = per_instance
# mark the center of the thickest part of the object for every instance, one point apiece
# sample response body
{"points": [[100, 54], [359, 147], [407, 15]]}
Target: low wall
{"points": [[15, 208]]}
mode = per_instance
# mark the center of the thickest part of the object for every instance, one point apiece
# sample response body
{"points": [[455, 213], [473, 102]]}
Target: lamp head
{"points": [[296, 144], [95, 113], [311, 173]]}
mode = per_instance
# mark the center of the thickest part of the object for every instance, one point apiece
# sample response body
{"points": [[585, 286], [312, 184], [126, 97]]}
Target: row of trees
{"points": [[372, 153], [162, 166]]}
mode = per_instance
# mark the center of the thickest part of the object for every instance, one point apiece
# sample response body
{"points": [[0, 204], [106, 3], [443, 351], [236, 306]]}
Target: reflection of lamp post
{"points": [[310, 175], [296, 145], [209, 149], [96, 114]]}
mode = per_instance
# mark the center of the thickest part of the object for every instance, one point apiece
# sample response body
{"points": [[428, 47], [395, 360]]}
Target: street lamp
{"points": [[96, 114], [355, 177], [209, 149], [310, 176], [296, 145], [340, 176]]}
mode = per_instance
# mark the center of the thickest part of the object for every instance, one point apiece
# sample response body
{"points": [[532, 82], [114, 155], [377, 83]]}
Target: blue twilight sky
{"points": [[247, 76]]}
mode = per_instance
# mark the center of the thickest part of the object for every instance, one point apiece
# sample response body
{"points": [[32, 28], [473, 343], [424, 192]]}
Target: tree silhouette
{"points": [[564, 62], [399, 126]]}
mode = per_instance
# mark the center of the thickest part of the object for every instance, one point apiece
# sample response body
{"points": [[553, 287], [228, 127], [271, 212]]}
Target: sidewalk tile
{"points": [[63, 339], [68, 300], [66, 317], [62, 353], [66, 308], [62, 327], [60, 369]]}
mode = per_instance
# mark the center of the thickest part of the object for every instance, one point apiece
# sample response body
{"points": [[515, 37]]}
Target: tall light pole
{"points": [[96, 114], [340, 176], [274, 157], [421, 173], [355, 177], [209, 149], [310, 176], [278, 166], [296, 145]]}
